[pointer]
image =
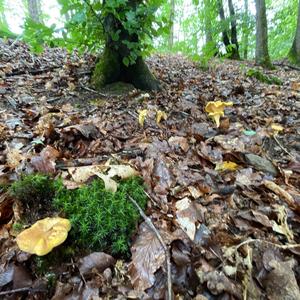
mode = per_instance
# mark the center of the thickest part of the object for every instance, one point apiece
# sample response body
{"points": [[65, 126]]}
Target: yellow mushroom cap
{"points": [[277, 128], [44, 235], [215, 109], [226, 166]]}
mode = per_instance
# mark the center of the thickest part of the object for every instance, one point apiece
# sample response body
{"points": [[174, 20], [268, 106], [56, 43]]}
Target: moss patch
{"points": [[36, 193], [118, 88], [107, 69], [293, 58], [263, 77], [101, 220]]}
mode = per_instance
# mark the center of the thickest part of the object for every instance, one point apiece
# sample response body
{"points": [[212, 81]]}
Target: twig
{"points": [[285, 150], [93, 91], [94, 13], [159, 237], [32, 71], [54, 99], [287, 65], [151, 199], [126, 153], [284, 247], [25, 289]]}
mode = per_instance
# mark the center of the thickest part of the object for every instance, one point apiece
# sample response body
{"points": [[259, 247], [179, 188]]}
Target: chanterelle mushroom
{"points": [[216, 110], [44, 235]]}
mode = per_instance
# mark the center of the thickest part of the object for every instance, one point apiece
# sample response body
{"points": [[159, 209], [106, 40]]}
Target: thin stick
{"points": [[289, 246], [25, 289], [159, 237], [93, 91], [93, 11], [151, 199], [287, 152]]}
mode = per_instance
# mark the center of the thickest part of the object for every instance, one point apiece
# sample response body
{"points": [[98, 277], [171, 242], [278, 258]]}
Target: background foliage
{"points": [[80, 25]]}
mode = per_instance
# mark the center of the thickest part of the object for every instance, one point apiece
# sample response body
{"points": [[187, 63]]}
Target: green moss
{"points": [[17, 227], [3, 188], [293, 58], [42, 265], [33, 190], [101, 220], [263, 78], [118, 88], [107, 69], [36, 193]]}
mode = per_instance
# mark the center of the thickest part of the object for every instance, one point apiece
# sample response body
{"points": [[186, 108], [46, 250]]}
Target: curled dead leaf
{"points": [[95, 260]]}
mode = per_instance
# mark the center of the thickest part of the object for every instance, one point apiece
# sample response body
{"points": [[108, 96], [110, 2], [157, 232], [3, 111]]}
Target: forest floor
{"points": [[232, 231]]}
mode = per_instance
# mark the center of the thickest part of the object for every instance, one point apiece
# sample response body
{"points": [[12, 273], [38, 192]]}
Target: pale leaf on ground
{"points": [[147, 257]]}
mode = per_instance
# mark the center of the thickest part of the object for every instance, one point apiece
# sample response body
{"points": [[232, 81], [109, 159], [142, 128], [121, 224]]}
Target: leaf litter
{"points": [[223, 188]]}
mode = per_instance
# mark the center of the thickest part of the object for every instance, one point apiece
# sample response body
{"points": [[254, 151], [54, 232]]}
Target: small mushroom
{"points": [[216, 110], [44, 235], [276, 128]]}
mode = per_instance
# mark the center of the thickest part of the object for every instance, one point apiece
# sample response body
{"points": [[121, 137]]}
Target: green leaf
{"points": [[126, 61]]}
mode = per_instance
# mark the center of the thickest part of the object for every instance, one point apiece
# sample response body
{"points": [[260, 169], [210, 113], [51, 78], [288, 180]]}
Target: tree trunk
{"points": [[261, 53], [172, 16], [225, 37], [210, 45], [3, 21], [246, 29], [111, 68], [294, 54], [34, 10], [234, 40], [207, 21]]}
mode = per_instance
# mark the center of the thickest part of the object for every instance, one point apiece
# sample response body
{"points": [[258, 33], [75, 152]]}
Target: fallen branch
{"points": [[80, 162], [283, 194], [284, 247], [22, 290], [287, 65], [285, 150], [31, 71], [166, 249], [93, 91]]}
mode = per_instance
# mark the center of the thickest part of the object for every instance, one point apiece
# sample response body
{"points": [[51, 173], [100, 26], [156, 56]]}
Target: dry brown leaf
{"points": [[13, 158], [110, 184], [45, 161], [122, 171], [82, 174], [96, 260], [187, 216], [179, 141], [6, 207], [280, 192], [147, 257]]}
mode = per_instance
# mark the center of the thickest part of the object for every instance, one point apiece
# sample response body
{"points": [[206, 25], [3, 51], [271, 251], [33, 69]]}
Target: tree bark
{"points": [[230, 48], [3, 20], [34, 10], [210, 45], [261, 52], [225, 37], [172, 16], [246, 29], [111, 68], [294, 54], [234, 40]]}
